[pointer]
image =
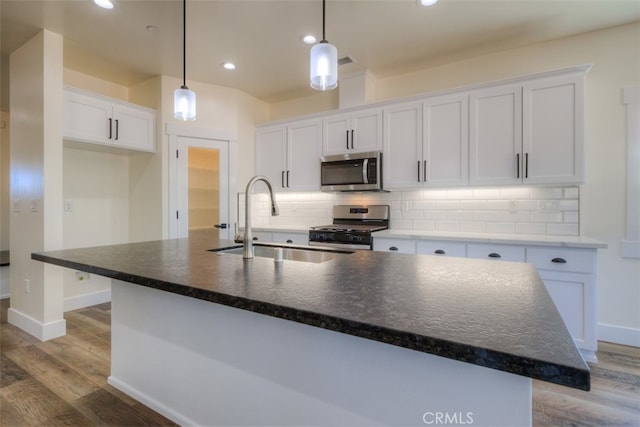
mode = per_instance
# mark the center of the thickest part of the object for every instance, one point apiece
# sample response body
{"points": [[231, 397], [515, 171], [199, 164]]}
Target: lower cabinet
{"points": [[569, 275], [428, 247], [291, 238]]}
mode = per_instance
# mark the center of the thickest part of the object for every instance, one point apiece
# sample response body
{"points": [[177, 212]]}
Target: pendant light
{"points": [[184, 100], [324, 62]]}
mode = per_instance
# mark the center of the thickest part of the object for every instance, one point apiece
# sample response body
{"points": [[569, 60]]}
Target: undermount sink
{"points": [[315, 255]]}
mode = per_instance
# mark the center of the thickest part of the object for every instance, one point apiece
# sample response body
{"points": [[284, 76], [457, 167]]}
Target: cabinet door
{"points": [[367, 130], [402, 161], [496, 252], [574, 297], [303, 159], [446, 140], [441, 248], [87, 118], [271, 154], [336, 135], [496, 136], [553, 130], [405, 246], [133, 128]]}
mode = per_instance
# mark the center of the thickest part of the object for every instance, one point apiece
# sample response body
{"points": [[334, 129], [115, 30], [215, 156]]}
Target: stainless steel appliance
{"points": [[352, 227], [352, 172]]}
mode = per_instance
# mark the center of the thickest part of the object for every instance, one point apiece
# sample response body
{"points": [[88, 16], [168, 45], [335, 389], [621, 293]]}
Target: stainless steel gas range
{"points": [[352, 228]]}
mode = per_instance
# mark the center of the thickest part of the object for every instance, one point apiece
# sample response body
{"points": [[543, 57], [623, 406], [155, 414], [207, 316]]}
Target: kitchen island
{"points": [[366, 338]]}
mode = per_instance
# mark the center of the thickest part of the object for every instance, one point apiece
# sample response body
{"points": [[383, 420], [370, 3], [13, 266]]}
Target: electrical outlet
{"points": [[68, 205], [548, 206], [34, 205], [513, 206], [27, 286], [17, 204]]}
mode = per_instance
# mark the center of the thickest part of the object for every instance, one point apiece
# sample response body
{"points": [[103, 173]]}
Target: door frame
{"points": [[177, 130]]}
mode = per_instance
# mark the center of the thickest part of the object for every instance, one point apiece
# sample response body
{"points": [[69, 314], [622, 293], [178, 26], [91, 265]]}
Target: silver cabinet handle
{"points": [[393, 248], [282, 180], [347, 140], [288, 178], [494, 255], [518, 165], [526, 165], [418, 170], [559, 260], [439, 252], [352, 139], [424, 170]]}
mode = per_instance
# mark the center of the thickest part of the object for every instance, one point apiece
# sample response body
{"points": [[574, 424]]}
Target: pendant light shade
{"points": [[184, 100], [324, 62], [324, 66], [184, 104]]}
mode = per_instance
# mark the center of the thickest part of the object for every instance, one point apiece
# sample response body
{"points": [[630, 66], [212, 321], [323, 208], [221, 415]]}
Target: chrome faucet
{"points": [[247, 252]]}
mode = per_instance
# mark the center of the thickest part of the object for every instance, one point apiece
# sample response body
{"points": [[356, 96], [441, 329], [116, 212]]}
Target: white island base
{"points": [[206, 364]]}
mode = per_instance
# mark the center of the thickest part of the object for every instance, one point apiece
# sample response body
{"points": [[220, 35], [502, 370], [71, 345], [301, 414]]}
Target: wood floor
{"points": [[63, 382]]}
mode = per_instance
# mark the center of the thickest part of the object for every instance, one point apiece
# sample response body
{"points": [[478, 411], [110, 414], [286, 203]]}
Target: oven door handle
{"points": [[365, 171]]}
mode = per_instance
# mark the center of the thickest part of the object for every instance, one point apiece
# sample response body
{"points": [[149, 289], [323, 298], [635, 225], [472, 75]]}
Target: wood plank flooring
{"points": [[63, 382]]}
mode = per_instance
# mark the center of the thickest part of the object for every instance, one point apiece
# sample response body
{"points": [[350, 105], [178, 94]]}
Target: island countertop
{"points": [[492, 314]]}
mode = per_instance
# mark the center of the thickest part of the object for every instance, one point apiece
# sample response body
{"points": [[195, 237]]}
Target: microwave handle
{"points": [[365, 171]]}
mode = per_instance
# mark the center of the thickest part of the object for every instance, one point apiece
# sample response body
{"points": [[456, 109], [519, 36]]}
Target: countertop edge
{"points": [[515, 364]]}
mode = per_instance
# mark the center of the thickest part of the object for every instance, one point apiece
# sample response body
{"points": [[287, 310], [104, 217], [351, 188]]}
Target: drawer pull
{"points": [[559, 260], [494, 255], [289, 241], [393, 248], [439, 252]]}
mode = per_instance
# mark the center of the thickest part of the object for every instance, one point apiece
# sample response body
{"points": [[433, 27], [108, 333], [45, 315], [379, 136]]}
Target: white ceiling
{"points": [[262, 36]]}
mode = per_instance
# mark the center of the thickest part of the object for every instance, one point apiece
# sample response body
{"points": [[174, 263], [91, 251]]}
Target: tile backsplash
{"points": [[513, 210]]}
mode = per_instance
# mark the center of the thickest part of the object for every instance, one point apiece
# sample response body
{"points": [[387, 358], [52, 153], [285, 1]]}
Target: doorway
{"points": [[200, 183]]}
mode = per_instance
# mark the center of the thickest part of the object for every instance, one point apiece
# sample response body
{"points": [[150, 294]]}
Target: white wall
{"points": [[36, 184], [615, 55], [4, 181]]}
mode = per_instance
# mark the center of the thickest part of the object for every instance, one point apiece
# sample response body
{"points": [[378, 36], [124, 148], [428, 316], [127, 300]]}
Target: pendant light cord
{"points": [[184, 43], [323, 12]]}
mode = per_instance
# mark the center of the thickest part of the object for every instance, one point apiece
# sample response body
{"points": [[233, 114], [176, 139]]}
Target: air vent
{"points": [[345, 60]]}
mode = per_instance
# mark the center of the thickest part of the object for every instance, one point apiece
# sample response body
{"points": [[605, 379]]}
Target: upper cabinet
{"points": [[289, 155], [529, 133], [100, 120], [357, 131], [426, 143]]}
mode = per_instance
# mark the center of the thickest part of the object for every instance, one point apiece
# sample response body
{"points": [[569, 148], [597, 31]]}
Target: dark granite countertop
{"points": [[493, 314]]}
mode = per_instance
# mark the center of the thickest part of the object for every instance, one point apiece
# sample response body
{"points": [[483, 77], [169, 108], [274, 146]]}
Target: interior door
{"points": [[202, 188]]}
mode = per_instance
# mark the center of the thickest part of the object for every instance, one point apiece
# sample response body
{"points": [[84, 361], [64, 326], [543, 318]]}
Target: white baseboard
{"points": [[42, 331], [86, 300], [619, 334], [149, 402]]}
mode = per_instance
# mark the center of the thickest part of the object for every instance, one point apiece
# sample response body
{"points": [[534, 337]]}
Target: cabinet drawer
{"points": [[291, 238], [563, 259], [394, 245], [496, 252], [262, 236], [441, 248]]}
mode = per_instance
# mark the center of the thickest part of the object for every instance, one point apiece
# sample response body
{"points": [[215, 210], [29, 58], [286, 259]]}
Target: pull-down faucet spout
{"points": [[247, 252]]}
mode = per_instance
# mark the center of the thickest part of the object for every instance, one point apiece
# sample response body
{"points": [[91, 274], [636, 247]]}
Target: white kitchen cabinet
{"points": [[497, 252], [569, 274], [262, 236], [289, 155], [99, 120], [495, 133], [531, 133], [354, 132], [434, 247], [405, 246], [553, 126], [426, 143]]}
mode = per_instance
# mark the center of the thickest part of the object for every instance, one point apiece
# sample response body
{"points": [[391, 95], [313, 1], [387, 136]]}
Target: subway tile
{"points": [[447, 205], [460, 194], [400, 224], [546, 217], [447, 226], [412, 195], [424, 225], [423, 204], [439, 215], [500, 227], [570, 217], [546, 193], [531, 228], [473, 204], [515, 192], [460, 215], [435, 194], [486, 193], [563, 229], [412, 215], [473, 227], [568, 205], [571, 192], [498, 205]]}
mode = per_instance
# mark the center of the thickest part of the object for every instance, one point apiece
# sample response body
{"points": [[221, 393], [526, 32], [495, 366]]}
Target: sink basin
{"points": [[315, 255]]}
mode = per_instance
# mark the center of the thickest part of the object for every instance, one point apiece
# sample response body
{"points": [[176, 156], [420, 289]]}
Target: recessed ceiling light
{"points": [[308, 39], [228, 65], [105, 4], [427, 2]]}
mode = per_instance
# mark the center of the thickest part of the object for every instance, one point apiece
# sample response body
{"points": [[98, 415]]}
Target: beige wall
{"points": [[615, 55]]}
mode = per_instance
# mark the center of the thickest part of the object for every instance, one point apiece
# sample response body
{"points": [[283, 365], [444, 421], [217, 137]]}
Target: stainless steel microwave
{"points": [[352, 172]]}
